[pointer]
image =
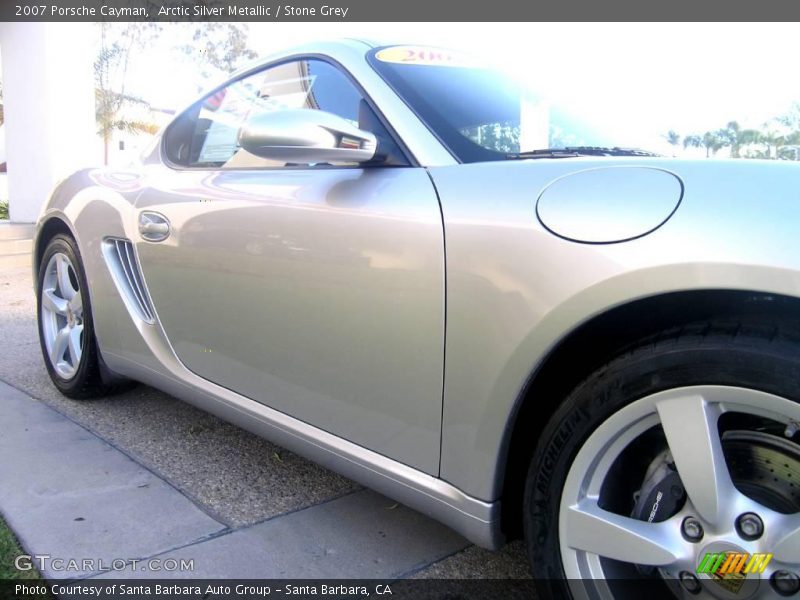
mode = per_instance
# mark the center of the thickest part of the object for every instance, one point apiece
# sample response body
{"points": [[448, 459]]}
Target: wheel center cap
{"points": [[727, 571]]}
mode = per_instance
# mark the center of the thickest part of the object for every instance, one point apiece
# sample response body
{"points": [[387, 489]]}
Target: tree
{"points": [[778, 138], [219, 48], [773, 140], [111, 98], [692, 141], [791, 119], [500, 137], [748, 137], [732, 136], [710, 140], [673, 139], [791, 149]]}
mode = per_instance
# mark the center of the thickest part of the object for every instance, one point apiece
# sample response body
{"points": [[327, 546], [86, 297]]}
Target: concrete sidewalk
{"points": [[70, 495], [16, 243]]}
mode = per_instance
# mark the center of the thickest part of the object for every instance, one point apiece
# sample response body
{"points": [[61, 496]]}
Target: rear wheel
{"points": [[66, 329], [686, 447]]}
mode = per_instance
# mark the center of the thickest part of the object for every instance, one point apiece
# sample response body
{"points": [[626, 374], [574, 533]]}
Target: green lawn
{"points": [[9, 550]]}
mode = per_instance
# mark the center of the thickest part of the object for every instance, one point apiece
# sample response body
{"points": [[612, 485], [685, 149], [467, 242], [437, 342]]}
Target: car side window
{"points": [[206, 134]]}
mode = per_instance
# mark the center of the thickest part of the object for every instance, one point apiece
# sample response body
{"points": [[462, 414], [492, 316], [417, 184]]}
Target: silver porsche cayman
{"points": [[400, 263]]}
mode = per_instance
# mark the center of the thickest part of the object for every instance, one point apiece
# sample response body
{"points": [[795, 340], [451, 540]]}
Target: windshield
{"points": [[479, 113]]}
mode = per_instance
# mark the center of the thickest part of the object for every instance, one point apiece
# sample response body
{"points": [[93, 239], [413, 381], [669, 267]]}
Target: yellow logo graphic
{"points": [[729, 570], [729, 563]]}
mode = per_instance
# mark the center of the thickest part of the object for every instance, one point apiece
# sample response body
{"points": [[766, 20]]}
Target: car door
{"points": [[317, 290]]}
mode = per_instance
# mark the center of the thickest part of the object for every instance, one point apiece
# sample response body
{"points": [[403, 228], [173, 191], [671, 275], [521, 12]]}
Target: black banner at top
{"points": [[399, 10]]}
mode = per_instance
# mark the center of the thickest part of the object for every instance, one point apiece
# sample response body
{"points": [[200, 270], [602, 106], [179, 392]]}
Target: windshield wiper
{"points": [[573, 151]]}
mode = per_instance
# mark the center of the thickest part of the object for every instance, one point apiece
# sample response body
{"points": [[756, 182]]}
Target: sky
{"points": [[640, 79]]}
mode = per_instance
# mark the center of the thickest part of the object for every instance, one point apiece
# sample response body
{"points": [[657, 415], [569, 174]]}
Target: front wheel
{"points": [[668, 458]]}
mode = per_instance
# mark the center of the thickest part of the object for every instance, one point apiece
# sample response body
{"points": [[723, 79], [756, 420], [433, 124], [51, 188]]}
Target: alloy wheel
{"points": [[62, 316], [727, 461]]}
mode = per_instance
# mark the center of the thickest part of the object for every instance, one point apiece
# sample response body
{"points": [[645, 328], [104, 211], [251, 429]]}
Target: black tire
{"points": [[758, 356], [87, 381]]}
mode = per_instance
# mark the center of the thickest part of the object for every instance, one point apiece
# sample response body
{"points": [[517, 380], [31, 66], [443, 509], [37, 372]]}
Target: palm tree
{"points": [[111, 67], [791, 119], [710, 140], [223, 47], [673, 139], [772, 139], [692, 141], [749, 137], [735, 137]]}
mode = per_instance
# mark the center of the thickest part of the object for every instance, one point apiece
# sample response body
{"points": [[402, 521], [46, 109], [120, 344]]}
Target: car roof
{"points": [[328, 47]]}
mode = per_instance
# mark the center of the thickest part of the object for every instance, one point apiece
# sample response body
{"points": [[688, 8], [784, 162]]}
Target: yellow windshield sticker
{"points": [[426, 55]]}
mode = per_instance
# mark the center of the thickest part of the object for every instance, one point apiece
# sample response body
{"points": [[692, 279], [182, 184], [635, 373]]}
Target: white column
{"points": [[48, 97]]}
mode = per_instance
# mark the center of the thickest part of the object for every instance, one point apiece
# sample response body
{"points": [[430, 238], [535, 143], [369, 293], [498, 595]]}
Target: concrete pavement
{"points": [[72, 496], [15, 244]]}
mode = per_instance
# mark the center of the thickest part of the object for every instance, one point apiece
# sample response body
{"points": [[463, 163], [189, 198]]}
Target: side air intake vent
{"points": [[125, 270]]}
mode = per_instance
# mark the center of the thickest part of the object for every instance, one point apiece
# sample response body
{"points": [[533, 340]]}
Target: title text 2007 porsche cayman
{"points": [[398, 262]]}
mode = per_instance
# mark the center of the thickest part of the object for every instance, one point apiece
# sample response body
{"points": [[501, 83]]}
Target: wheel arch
{"points": [[47, 229], [594, 343]]}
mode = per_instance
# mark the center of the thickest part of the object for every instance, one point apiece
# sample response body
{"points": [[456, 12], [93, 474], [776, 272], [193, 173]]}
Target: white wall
{"points": [[3, 177], [134, 146], [48, 95]]}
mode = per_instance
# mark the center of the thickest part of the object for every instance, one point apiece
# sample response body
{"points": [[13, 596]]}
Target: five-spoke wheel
{"points": [[697, 473], [678, 464], [62, 315]]}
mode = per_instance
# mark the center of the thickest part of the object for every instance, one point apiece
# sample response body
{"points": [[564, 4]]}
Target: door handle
{"points": [[153, 227]]}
